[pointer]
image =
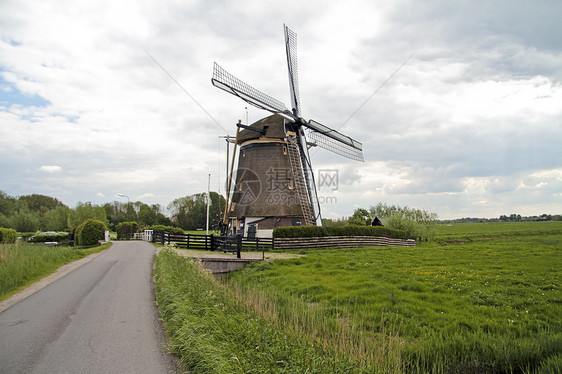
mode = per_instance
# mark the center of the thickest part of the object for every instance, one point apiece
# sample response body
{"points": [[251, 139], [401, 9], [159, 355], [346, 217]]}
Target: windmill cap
{"points": [[273, 125]]}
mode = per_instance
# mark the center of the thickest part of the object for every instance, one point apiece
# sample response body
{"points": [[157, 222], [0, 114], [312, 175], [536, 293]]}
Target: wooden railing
{"points": [[231, 244]]}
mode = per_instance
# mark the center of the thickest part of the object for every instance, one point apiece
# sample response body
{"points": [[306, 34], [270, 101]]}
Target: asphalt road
{"points": [[99, 318]]}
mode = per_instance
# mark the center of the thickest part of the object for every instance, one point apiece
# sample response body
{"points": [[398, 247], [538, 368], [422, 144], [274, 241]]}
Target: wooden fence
{"points": [[233, 244], [341, 242], [236, 244]]}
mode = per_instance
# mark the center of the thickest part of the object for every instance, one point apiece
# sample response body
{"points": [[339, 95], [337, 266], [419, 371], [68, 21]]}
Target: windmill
{"points": [[274, 183]]}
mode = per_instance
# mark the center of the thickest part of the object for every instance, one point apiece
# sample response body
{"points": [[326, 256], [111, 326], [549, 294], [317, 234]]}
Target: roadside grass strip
{"points": [[212, 331], [22, 265]]}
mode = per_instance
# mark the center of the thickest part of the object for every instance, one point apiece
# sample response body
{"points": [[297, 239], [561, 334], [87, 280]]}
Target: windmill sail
{"points": [[335, 141], [226, 81], [291, 48]]}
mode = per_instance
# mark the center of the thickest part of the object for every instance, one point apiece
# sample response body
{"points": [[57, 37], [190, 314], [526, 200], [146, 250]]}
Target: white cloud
{"points": [[469, 126], [50, 168]]}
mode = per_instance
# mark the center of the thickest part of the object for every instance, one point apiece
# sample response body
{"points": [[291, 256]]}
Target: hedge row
{"points": [[8, 236], [350, 230], [170, 229], [90, 232], [41, 238]]}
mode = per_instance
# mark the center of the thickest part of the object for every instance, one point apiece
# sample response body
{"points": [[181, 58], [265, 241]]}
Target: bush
{"points": [[48, 237], [417, 230], [126, 230], [319, 231], [90, 232], [170, 229], [8, 236]]}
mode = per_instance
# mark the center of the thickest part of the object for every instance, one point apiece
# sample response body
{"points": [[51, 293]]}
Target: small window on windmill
{"points": [[285, 150], [291, 184], [243, 153], [240, 187]]}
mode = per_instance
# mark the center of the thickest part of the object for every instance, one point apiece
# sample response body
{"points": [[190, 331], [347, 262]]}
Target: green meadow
{"points": [[482, 298]]}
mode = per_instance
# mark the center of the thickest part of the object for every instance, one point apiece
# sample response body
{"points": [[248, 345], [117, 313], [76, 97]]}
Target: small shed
{"points": [[376, 222]]}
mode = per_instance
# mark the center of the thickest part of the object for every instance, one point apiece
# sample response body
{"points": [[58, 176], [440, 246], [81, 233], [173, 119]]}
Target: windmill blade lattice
{"points": [[229, 83], [291, 49], [335, 141]]}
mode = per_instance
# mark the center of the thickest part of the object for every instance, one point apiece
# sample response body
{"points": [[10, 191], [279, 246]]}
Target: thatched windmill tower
{"points": [[274, 183]]}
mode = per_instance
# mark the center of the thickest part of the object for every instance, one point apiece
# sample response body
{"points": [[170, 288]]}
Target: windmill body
{"points": [[270, 188], [274, 184]]}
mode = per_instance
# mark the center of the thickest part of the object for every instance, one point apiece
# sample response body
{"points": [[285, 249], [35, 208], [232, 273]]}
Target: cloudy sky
{"points": [[471, 125]]}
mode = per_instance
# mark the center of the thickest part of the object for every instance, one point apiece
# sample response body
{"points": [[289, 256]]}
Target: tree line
{"points": [[35, 212], [513, 217]]}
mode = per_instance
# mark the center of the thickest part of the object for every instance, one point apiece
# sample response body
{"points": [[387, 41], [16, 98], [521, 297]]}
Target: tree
{"points": [[24, 221], [190, 212], [7, 204], [418, 223], [85, 211], [115, 212], [360, 217], [56, 219], [180, 210], [126, 230], [40, 203]]}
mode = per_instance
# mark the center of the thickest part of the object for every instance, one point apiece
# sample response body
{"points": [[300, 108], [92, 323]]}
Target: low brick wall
{"points": [[341, 242]]}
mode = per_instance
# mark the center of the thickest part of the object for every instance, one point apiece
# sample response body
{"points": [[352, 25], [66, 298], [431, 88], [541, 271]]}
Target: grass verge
{"points": [[213, 331], [22, 265]]}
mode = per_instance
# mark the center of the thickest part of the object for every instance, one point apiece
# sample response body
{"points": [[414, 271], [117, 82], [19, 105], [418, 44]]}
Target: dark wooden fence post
{"points": [[238, 245]]}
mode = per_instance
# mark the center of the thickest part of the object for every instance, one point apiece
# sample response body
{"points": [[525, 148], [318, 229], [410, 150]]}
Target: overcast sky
{"points": [[471, 125]]}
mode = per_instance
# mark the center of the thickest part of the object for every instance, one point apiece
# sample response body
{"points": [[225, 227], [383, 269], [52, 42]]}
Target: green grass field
{"points": [[22, 265], [489, 301], [483, 298]]}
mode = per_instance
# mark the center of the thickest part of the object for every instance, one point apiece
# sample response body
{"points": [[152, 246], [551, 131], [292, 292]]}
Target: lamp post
{"points": [[128, 214]]}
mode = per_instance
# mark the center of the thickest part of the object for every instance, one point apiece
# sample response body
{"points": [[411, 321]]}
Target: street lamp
{"points": [[128, 214]]}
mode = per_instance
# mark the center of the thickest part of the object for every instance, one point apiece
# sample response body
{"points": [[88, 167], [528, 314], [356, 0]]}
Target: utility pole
{"points": [[208, 201]]}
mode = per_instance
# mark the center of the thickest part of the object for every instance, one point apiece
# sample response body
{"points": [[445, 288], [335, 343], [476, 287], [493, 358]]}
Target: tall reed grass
{"points": [[338, 329]]}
